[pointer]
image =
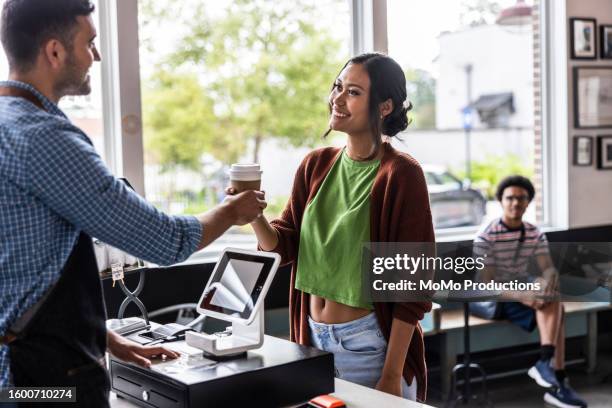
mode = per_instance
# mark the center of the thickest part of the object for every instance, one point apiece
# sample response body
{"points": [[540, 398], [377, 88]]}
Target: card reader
{"points": [[127, 325], [166, 332]]}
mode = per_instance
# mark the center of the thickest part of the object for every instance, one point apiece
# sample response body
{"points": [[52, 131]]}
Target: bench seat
{"points": [[485, 335]]}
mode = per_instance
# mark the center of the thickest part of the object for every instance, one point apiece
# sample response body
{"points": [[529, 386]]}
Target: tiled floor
{"points": [[521, 391]]}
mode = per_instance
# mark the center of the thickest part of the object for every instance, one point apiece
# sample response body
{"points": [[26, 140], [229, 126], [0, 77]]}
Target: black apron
{"points": [[64, 343]]}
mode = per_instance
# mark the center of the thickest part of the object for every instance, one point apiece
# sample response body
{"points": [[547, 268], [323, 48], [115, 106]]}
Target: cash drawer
{"points": [[144, 388]]}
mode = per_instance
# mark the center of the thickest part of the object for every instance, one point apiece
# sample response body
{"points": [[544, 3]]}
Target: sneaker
{"points": [[564, 397], [544, 375]]}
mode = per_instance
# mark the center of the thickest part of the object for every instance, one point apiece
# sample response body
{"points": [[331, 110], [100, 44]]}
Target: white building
{"points": [[501, 60]]}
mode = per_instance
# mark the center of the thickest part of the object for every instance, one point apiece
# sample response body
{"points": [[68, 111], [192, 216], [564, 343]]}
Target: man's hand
{"points": [[533, 303], [550, 282], [530, 299], [239, 209], [548, 293], [246, 206], [390, 384], [132, 352]]}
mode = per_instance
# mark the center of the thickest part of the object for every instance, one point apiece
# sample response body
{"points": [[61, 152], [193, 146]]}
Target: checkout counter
{"points": [[239, 366], [354, 396]]}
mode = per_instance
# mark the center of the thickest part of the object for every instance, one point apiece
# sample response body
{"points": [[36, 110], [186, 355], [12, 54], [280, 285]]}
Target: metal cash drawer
{"points": [[149, 391]]}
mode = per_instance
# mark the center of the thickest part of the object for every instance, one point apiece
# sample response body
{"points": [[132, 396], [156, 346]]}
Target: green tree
{"points": [[487, 173], [180, 125], [422, 93], [264, 70]]}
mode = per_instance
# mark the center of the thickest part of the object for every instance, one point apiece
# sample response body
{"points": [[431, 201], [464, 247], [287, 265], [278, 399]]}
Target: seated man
{"points": [[509, 243]]}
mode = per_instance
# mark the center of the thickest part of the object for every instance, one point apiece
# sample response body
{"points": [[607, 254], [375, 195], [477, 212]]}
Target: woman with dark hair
{"points": [[342, 198]]}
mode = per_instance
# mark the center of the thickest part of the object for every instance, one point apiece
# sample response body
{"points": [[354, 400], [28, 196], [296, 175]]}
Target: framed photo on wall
{"points": [[583, 38], [604, 152], [605, 39], [583, 151], [592, 97]]}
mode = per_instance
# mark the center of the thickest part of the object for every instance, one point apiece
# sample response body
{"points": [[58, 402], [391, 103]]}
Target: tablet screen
{"points": [[236, 284]]}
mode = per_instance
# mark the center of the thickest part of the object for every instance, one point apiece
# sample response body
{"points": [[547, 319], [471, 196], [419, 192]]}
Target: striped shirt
{"points": [[510, 250], [53, 185]]}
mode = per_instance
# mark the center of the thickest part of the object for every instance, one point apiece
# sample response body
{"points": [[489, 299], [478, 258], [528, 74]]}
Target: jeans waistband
{"points": [[367, 322]]}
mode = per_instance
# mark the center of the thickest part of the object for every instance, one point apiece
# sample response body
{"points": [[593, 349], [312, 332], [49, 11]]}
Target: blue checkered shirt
{"points": [[53, 185]]}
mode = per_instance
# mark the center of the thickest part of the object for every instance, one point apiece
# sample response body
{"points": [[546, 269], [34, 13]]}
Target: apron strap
{"points": [[8, 339], [21, 93]]}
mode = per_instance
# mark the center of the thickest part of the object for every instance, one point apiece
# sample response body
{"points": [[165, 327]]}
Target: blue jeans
{"points": [[359, 350]]}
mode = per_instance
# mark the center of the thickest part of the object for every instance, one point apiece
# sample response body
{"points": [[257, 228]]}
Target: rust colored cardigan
{"points": [[399, 212]]}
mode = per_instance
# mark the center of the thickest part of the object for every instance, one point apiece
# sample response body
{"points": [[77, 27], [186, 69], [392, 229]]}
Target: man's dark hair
{"points": [[27, 24], [515, 181]]}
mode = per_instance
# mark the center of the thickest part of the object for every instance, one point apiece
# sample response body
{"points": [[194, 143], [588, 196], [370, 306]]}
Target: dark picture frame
{"points": [[583, 151], [604, 152], [592, 97], [583, 38], [605, 39]]}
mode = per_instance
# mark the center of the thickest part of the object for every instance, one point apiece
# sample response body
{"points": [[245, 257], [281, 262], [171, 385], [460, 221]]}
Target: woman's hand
{"points": [[391, 384], [231, 191], [266, 235], [397, 349], [133, 352]]}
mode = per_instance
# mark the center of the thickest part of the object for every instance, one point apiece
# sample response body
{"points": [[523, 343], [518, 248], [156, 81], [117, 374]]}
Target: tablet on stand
{"points": [[235, 293]]}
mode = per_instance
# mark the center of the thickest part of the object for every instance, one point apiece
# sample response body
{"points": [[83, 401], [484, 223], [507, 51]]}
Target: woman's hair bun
{"points": [[397, 121]]}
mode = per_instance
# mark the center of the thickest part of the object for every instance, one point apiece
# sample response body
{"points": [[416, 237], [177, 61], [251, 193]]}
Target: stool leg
{"points": [[484, 390], [467, 393], [454, 395], [448, 360]]}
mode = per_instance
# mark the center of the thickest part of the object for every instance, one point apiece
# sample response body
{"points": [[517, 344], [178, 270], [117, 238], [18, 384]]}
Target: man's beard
{"points": [[73, 82]]}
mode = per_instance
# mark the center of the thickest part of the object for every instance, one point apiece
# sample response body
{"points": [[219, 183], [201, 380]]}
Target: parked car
{"points": [[453, 202]]}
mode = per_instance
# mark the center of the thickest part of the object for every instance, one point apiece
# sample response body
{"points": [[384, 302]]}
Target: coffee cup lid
{"points": [[245, 167], [245, 172]]}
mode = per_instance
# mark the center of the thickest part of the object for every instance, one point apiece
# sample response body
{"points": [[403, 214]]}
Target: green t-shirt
{"points": [[334, 228]]}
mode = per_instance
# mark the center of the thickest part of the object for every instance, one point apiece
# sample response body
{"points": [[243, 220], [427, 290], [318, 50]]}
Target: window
{"points": [[84, 111], [470, 79], [227, 81], [234, 81]]}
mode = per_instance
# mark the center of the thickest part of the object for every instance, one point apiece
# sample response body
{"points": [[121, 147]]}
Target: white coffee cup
{"points": [[245, 177]]}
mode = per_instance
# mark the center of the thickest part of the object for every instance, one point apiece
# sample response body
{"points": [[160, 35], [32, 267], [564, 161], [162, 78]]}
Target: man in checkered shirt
{"points": [[55, 188]]}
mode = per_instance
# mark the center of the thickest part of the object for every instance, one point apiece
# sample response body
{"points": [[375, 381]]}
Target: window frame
{"points": [[122, 104], [555, 114]]}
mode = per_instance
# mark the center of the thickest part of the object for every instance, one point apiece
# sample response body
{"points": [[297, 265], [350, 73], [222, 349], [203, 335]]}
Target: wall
{"points": [[590, 190]]}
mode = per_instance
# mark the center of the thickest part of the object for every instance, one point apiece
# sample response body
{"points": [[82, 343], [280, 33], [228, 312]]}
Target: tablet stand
{"points": [[234, 341]]}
